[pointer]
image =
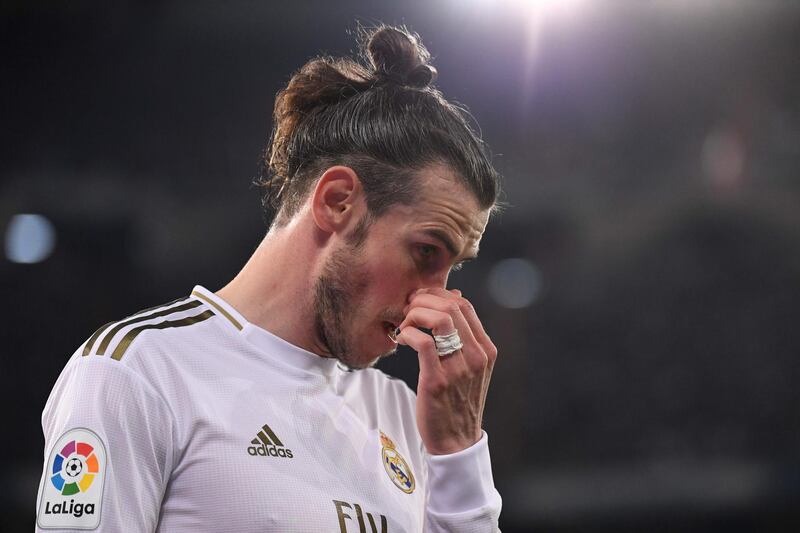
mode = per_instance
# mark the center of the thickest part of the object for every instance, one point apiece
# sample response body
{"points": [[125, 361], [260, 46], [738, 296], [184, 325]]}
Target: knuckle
{"points": [[453, 307], [478, 365], [445, 323], [464, 304], [427, 343], [491, 352]]}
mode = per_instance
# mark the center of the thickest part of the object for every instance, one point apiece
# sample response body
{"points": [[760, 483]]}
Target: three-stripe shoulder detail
{"points": [[126, 341], [219, 308], [108, 332], [87, 348]]}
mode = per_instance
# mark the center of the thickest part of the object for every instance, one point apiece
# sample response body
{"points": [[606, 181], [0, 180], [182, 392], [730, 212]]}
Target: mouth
{"points": [[389, 328]]}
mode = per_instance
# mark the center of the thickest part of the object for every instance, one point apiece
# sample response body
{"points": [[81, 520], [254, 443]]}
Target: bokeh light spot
{"points": [[29, 238], [514, 283]]}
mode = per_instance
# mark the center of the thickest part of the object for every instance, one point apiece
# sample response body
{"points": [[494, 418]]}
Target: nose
{"points": [[433, 281]]}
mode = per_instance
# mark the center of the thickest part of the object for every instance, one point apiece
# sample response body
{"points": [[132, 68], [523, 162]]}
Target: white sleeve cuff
{"points": [[462, 481]]}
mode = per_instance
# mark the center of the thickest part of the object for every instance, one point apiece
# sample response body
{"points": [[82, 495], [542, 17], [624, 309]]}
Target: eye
{"points": [[426, 251]]}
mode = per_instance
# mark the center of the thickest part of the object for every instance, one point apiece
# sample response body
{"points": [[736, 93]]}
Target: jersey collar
{"points": [[271, 345]]}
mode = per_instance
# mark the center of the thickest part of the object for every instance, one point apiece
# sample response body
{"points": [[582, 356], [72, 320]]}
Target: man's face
{"points": [[360, 296]]}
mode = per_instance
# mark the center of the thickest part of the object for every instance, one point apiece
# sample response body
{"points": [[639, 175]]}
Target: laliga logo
{"points": [[74, 470], [71, 492]]}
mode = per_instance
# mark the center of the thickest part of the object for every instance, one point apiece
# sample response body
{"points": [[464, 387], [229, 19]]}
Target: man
{"points": [[255, 408]]}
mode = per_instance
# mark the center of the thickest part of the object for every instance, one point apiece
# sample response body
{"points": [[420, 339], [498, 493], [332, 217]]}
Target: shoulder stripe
{"points": [[219, 308], [126, 341], [176, 300], [141, 318], [88, 346]]}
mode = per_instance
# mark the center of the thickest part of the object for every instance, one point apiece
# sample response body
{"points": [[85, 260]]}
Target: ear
{"points": [[336, 198]]}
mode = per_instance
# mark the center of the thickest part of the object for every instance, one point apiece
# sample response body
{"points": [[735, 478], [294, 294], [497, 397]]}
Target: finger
{"points": [[475, 324], [433, 301], [471, 355], [445, 305], [433, 290], [439, 322], [438, 369], [423, 344], [468, 311]]}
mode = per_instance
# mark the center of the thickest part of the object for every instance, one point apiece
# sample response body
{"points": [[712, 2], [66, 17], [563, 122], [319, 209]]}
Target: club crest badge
{"points": [[396, 467]]}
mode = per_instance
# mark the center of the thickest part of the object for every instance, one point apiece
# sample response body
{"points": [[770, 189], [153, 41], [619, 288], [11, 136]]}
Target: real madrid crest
{"points": [[397, 468]]}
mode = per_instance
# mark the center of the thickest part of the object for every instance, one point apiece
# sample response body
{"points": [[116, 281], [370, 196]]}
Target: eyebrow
{"points": [[448, 243]]}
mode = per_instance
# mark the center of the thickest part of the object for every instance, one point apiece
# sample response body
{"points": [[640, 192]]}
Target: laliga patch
{"points": [[72, 488]]}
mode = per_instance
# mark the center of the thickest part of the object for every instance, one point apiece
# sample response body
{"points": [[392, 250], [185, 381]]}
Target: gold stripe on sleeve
{"points": [[137, 313], [218, 307], [141, 318], [126, 341], [87, 348]]}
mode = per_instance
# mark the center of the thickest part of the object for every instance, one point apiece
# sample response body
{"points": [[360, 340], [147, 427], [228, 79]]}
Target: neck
{"points": [[274, 289]]}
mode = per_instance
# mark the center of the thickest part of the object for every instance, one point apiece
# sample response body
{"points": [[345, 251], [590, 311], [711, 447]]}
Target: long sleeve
{"points": [[461, 494], [108, 450]]}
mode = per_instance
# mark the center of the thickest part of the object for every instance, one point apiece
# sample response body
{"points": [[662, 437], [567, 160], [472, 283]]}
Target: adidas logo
{"points": [[268, 444]]}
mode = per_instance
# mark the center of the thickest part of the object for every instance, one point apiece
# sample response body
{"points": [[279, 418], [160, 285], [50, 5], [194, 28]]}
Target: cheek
{"points": [[391, 281]]}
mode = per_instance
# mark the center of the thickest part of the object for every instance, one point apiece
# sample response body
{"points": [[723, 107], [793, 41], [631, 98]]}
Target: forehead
{"points": [[445, 205]]}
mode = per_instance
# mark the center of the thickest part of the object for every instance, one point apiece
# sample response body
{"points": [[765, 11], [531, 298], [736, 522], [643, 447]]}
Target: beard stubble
{"points": [[336, 304]]}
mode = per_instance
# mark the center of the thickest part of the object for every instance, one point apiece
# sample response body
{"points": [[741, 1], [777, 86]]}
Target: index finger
{"points": [[469, 313]]}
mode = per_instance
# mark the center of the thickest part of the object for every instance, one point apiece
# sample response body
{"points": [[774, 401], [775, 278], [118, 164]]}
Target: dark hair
{"points": [[381, 117]]}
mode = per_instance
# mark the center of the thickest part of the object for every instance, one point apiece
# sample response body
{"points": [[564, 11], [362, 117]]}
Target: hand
{"points": [[452, 389]]}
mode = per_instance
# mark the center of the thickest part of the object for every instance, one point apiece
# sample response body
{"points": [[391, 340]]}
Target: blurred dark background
{"points": [[643, 285]]}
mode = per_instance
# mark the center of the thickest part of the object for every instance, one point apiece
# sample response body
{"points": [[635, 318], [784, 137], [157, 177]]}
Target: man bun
{"points": [[378, 114], [399, 57]]}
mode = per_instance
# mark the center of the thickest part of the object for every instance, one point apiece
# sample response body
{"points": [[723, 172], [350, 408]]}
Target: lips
{"points": [[390, 328]]}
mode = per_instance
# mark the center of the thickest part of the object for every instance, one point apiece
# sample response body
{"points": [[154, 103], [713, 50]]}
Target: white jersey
{"points": [[187, 418]]}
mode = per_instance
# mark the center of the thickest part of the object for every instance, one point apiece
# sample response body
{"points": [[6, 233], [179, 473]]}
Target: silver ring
{"points": [[447, 344]]}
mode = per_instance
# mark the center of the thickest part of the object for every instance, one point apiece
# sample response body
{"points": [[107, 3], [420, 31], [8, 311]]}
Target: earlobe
{"points": [[334, 198]]}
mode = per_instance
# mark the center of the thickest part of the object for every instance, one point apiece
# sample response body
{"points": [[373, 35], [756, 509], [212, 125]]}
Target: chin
{"points": [[368, 361], [385, 354]]}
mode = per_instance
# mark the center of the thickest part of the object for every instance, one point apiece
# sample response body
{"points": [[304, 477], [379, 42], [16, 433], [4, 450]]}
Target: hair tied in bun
{"points": [[398, 57], [378, 114], [420, 77]]}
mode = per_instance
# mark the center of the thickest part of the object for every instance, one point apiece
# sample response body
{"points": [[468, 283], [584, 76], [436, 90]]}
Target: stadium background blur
{"points": [[643, 286]]}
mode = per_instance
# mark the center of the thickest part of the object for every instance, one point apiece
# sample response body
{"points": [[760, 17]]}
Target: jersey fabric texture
{"points": [[211, 423]]}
